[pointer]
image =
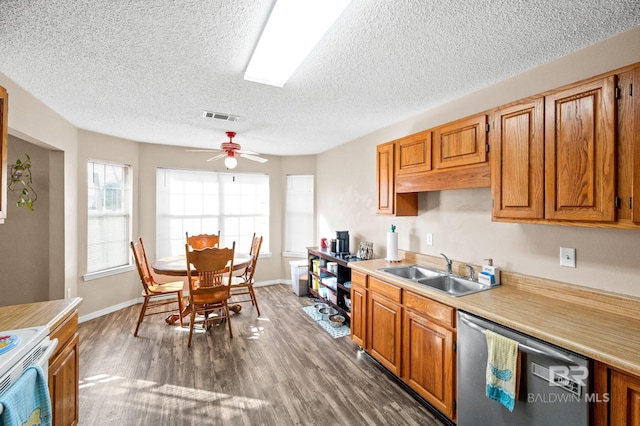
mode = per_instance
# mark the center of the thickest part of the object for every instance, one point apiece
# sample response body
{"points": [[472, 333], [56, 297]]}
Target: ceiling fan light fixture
{"points": [[292, 31], [230, 162]]}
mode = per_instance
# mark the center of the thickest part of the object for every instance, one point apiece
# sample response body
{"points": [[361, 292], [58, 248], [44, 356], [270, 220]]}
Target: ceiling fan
{"points": [[229, 150]]}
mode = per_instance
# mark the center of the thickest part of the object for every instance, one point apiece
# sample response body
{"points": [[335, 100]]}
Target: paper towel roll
{"points": [[392, 247]]}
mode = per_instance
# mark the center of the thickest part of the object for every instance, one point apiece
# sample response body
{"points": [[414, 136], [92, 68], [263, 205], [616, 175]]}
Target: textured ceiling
{"points": [[146, 70]]}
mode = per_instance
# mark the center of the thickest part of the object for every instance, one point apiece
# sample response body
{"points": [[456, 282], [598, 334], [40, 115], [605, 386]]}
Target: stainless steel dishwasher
{"points": [[553, 386]]}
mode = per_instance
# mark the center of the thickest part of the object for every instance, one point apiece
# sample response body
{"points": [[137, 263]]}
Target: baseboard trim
{"points": [[126, 304]]}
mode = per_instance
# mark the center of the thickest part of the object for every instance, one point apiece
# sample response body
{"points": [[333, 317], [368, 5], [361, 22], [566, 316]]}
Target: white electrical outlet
{"points": [[568, 257], [429, 239]]}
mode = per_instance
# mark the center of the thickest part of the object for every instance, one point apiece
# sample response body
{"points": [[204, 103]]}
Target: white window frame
{"points": [[299, 215], [122, 261], [195, 201]]}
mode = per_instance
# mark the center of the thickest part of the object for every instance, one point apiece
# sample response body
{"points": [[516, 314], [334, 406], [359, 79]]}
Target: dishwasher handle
{"points": [[527, 348]]}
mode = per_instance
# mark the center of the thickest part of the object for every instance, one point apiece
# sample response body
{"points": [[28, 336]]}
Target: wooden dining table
{"points": [[176, 266]]}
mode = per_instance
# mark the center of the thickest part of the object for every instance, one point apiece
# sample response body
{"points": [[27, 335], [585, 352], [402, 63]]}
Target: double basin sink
{"points": [[437, 280]]}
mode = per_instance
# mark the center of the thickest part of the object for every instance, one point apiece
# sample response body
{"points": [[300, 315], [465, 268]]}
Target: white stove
{"points": [[31, 345]]}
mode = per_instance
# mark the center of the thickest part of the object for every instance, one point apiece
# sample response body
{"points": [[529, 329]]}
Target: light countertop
{"points": [[49, 314], [602, 326]]}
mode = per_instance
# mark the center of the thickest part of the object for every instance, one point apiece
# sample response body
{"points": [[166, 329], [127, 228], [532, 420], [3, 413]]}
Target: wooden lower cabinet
{"points": [[359, 308], [624, 403], [384, 325], [411, 335], [428, 353], [616, 397], [64, 373]]}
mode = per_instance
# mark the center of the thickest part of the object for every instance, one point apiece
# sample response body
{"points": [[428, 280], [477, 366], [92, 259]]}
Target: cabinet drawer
{"points": [[389, 291], [65, 331], [358, 279], [435, 310]]}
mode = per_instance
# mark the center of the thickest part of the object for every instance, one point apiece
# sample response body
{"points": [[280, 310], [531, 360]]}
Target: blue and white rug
{"points": [[335, 332]]}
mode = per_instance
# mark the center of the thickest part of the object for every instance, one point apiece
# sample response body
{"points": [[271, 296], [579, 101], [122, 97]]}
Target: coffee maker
{"points": [[342, 242]]}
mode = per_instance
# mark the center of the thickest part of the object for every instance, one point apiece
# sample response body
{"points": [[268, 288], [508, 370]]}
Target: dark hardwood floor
{"points": [[279, 369]]}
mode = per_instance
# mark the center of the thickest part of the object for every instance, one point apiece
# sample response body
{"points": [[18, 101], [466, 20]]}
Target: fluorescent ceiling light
{"points": [[292, 31]]}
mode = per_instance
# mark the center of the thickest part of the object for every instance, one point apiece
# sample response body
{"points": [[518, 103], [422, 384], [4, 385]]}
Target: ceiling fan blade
{"points": [[202, 150], [217, 157], [254, 158], [243, 151]]}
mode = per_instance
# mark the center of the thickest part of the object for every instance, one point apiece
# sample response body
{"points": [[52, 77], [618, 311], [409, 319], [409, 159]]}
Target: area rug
{"points": [[335, 332]]}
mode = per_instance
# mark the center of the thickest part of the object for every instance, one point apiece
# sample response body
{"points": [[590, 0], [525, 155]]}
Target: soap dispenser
{"points": [[490, 274]]}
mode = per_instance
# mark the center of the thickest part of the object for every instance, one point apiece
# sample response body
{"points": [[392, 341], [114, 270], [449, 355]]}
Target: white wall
{"points": [[460, 220]]}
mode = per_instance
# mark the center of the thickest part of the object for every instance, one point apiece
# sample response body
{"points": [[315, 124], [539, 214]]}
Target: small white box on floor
{"points": [[299, 277]]}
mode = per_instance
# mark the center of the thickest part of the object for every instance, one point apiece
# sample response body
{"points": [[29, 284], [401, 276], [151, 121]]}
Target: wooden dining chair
{"points": [[242, 285], [200, 241], [154, 293], [209, 284]]}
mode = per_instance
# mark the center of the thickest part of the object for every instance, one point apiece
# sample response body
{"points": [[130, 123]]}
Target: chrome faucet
{"points": [[472, 272], [448, 262]]}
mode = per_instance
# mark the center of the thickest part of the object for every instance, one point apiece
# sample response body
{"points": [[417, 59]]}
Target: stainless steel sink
{"points": [[454, 286], [411, 272], [437, 280]]}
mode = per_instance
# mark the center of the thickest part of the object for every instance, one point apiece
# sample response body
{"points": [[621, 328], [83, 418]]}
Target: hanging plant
{"points": [[20, 183]]}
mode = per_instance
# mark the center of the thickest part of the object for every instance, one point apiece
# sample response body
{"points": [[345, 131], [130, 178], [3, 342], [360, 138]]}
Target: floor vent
{"points": [[220, 116]]}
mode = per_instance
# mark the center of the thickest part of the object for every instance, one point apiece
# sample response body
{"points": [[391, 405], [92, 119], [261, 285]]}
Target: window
{"points": [[109, 216], [299, 227], [204, 202]]}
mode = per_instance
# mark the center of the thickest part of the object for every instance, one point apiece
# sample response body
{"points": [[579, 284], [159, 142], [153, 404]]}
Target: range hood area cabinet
{"points": [[4, 107], [557, 160], [458, 157], [452, 156]]}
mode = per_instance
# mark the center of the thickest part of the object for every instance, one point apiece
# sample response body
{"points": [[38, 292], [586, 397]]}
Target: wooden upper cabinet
{"points": [[385, 178], [580, 152], [4, 108], [460, 143], [390, 202], [517, 151], [628, 148], [413, 153]]}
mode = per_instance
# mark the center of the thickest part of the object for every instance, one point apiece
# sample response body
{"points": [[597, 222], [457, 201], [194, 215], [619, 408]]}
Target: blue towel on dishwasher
{"points": [[27, 401], [502, 369]]}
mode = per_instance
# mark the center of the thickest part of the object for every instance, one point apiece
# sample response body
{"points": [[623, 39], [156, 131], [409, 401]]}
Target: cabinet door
{"points": [[4, 104], [384, 331], [390, 203], [580, 152], [385, 178], [628, 148], [625, 400], [413, 153], [359, 315], [461, 143], [518, 161], [429, 361], [63, 384]]}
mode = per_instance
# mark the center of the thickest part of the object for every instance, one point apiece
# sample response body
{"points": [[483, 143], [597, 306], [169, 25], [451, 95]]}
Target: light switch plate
{"points": [[568, 257], [429, 239]]}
